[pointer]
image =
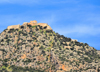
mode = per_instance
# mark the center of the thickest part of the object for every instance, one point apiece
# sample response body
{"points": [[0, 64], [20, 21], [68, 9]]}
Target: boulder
{"points": [[74, 40]]}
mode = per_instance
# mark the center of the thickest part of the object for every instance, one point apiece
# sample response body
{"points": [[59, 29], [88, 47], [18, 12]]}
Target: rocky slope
{"points": [[36, 47]]}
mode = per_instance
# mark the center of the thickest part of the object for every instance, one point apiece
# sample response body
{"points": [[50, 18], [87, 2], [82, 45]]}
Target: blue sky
{"points": [[76, 19]]}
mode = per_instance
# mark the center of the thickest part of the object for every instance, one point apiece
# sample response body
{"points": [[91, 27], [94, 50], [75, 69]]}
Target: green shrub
{"points": [[44, 32], [15, 59], [85, 44], [38, 62], [24, 34], [20, 32], [54, 33], [87, 60], [43, 52], [5, 60], [3, 67], [71, 54], [8, 68], [41, 47], [26, 61], [34, 33], [62, 58], [40, 30], [34, 26], [77, 63], [8, 40], [78, 52], [14, 68], [29, 26]]}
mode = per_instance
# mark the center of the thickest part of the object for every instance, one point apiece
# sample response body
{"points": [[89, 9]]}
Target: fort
{"points": [[13, 26], [32, 23]]}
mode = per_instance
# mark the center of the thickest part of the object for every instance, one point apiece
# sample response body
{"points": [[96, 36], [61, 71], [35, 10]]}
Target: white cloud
{"points": [[80, 30]]}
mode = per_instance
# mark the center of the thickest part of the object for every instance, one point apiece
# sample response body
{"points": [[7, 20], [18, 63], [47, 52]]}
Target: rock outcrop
{"points": [[74, 40]]}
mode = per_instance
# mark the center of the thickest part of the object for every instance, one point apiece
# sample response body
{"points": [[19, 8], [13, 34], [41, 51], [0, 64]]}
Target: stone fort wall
{"points": [[32, 23]]}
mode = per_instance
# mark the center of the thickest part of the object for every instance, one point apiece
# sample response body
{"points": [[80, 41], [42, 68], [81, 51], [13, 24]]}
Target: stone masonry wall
{"points": [[13, 26], [32, 23]]}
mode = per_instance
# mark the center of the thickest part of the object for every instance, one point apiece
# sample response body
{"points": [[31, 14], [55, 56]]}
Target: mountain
{"points": [[35, 47]]}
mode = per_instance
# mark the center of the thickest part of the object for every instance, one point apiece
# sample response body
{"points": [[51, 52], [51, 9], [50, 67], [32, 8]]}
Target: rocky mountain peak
{"points": [[35, 46]]}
